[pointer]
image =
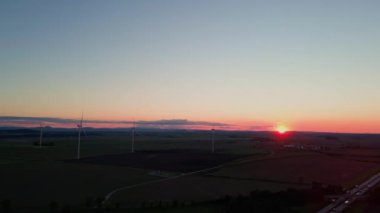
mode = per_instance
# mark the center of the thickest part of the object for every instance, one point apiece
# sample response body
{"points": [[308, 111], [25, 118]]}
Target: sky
{"points": [[309, 65]]}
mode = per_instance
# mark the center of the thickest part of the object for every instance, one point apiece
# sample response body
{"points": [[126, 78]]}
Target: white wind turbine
{"points": [[80, 129]]}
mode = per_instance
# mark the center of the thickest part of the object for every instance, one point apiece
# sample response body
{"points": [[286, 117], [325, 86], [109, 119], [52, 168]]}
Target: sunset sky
{"points": [[308, 65]]}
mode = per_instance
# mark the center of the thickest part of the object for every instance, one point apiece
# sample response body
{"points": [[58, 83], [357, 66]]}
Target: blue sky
{"points": [[301, 63]]}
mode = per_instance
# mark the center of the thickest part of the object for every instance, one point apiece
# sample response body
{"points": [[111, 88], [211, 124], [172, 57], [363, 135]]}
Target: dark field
{"points": [[197, 188], [167, 160], [305, 169], [33, 177]]}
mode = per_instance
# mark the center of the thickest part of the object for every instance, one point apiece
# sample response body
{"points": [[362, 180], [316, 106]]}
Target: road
{"points": [[346, 199]]}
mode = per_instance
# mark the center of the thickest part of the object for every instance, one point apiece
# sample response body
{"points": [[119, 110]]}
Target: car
{"points": [[346, 202]]}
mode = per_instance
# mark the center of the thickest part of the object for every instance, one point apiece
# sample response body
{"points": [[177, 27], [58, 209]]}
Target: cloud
{"points": [[17, 119], [261, 127], [64, 122], [162, 124], [181, 122]]}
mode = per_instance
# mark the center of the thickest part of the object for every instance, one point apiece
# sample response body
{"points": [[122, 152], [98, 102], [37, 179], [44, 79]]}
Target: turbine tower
{"points": [[40, 134], [80, 126], [212, 141], [133, 138]]}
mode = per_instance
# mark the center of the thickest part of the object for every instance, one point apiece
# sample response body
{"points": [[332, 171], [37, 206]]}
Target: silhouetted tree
{"points": [[333, 189], [89, 202], [7, 204], [66, 209], [99, 201], [53, 205], [227, 198], [175, 203]]}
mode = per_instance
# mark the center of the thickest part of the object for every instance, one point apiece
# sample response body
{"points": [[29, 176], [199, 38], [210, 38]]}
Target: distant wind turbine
{"points": [[212, 140], [80, 129], [41, 134], [133, 138]]}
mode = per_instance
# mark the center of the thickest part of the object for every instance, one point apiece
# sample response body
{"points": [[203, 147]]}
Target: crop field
{"points": [[32, 177], [166, 160], [275, 173], [196, 188], [302, 168], [34, 185]]}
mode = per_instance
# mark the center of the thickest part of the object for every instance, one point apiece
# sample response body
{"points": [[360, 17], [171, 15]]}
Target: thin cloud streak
{"points": [[64, 122], [19, 121]]}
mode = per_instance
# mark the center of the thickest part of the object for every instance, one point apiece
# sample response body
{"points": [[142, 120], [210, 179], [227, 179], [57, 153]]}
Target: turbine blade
{"points": [[81, 126], [84, 132]]}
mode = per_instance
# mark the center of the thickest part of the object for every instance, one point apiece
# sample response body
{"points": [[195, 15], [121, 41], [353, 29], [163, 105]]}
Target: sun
{"points": [[281, 129]]}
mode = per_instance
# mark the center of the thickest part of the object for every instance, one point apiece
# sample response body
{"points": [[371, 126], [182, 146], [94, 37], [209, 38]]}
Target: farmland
{"points": [[301, 169], [33, 177]]}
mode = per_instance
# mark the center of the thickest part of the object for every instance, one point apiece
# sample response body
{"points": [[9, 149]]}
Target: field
{"points": [[296, 169], [33, 177], [196, 188], [167, 160], [34, 185]]}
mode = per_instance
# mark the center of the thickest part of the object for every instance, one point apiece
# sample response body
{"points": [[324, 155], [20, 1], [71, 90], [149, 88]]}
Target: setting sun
{"points": [[281, 129]]}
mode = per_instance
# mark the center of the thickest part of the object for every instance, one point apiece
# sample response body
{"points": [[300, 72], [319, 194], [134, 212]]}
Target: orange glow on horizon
{"points": [[362, 126], [281, 129]]}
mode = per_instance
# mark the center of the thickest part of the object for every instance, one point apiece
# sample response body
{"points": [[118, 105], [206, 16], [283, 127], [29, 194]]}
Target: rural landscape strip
{"points": [[108, 196], [256, 179], [234, 163]]}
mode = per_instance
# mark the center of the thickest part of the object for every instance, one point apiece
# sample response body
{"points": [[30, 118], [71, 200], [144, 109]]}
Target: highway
{"points": [[345, 200]]}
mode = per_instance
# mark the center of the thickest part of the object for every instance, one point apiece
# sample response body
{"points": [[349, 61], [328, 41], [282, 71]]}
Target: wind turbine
{"points": [[40, 134], [133, 138], [212, 140], [80, 129]]}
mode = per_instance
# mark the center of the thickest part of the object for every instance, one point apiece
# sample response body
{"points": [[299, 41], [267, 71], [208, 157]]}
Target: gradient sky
{"points": [[310, 65]]}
